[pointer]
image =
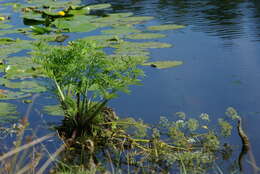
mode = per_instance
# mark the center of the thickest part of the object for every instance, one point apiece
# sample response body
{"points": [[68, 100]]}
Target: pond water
{"points": [[220, 48], [221, 53]]}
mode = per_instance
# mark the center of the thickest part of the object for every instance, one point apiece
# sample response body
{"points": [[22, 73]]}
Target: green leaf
{"points": [[121, 30]]}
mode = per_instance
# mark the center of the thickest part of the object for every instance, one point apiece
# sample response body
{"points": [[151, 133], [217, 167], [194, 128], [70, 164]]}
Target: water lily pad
{"points": [[6, 40], [4, 32], [22, 67], [98, 6], [54, 4], [40, 30], [166, 27], [121, 30], [32, 18], [136, 19], [45, 37], [141, 45], [54, 110], [7, 112], [164, 64], [14, 46], [24, 86], [137, 48], [145, 36], [104, 40], [75, 24], [5, 26], [132, 52], [82, 11], [6, 94], [118, 19], [120, 15]]}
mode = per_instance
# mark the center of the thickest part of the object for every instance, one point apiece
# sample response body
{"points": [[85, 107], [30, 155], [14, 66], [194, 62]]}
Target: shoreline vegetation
{"points": [[84, 79]]}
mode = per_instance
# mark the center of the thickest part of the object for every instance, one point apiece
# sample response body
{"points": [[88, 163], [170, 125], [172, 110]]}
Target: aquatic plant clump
{"points": [[185, 145], [86, 79]]}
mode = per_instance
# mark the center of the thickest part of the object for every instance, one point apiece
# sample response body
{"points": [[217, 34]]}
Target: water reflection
{"points": [[226, 19]]}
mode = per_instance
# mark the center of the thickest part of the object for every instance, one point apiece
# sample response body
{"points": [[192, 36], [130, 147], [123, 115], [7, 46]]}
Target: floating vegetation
{"points": [[145, 36], [53, 110], [50, 37], [141, 45], [21, 68], [4, 41], [136, 19], [7, 111], [6, 94], [165, 27], [98, 6], [137, 48], [12, 31], [9, 46], [104, 40], [5, 26], [75, 24], [163, 64], [121, 30], [24, 86]]}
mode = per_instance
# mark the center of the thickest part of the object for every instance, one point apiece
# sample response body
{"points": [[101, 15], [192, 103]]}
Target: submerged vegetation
{"points": [[84, 79]]}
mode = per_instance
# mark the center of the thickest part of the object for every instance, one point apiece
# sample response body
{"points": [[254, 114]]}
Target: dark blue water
{"points": [[220, 48]]}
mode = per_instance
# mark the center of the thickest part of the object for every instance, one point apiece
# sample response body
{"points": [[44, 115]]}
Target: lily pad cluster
{"points": [[53, 21]]}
